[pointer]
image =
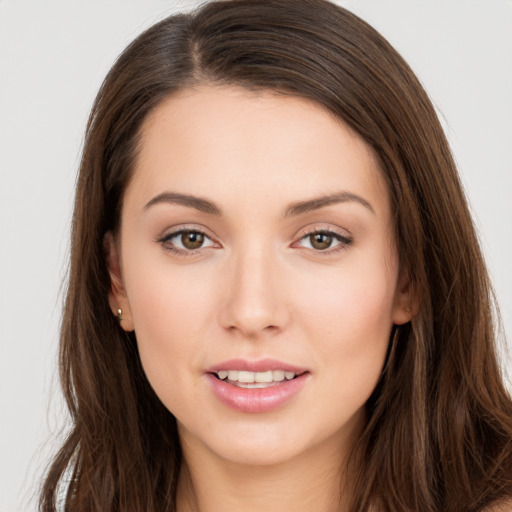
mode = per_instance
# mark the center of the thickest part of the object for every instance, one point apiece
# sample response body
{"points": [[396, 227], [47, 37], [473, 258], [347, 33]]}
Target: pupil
{"points": [[192, 239], [321, 241]]}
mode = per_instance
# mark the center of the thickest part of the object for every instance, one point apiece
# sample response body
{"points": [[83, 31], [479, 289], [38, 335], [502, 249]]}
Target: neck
{"points": [[315, 481]]}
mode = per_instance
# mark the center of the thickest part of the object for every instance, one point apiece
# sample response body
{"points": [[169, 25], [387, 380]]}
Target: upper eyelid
{"points": [[170, 232], [342, 239], [343, 233], [323, 230]]}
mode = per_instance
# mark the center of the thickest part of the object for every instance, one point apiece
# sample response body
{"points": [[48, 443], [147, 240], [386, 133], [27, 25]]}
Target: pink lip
{"points": [[261, 365], [256, 400]]}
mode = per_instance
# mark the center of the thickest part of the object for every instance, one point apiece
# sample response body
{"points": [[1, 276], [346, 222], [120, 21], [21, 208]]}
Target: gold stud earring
{"points": [[408, 309], [119, 315]]}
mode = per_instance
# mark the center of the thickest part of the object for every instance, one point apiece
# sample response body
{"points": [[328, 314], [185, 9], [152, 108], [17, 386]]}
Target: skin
{"points": [[258, 288]]}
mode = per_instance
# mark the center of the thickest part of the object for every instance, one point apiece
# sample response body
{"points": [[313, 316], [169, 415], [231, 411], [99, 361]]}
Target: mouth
{"points": [[256, 386], [255, 380]]}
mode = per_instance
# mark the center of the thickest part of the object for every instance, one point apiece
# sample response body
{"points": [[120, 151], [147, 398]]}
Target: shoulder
{"points": [[502, 506]]}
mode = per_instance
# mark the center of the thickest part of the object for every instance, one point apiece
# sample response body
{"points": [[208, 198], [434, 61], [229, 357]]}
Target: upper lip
{"points": [[261, 365]]}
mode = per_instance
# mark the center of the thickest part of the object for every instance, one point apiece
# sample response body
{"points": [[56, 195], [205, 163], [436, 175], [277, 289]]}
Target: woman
{"points": [[277, 299]]}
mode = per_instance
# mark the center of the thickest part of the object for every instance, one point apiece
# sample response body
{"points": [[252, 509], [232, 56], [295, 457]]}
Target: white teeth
{"points": [[258, 377], [247, 377], [278, 375], [263, 376]]}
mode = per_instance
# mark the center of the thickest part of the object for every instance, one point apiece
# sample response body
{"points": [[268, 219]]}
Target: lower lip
{"points": [[256, 399]]}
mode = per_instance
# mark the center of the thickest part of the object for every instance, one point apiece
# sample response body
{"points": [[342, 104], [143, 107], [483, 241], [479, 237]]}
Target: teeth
{"points": [[246, 377], [258, 377], [278, 375], [263, 376]]}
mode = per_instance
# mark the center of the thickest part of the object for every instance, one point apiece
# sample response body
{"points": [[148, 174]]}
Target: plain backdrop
{"points": [[53, 57]]}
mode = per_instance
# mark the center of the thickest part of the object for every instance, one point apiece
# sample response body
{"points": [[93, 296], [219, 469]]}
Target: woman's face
{"points": [[257, 265]]}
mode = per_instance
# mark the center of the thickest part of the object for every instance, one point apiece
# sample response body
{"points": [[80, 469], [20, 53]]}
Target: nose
{"points": [[255, 302]]}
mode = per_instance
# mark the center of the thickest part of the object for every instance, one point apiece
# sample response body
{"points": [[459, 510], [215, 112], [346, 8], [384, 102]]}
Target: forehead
{"points": [[232, 143]]}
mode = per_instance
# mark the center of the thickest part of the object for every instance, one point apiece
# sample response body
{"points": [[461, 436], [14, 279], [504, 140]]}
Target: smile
{"points": [[256, 387], [254, 380]]}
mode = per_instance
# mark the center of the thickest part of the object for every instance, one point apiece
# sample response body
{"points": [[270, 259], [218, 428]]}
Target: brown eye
{"points": [[192, 239], [325, 241], [320, 241], [186, 241]]}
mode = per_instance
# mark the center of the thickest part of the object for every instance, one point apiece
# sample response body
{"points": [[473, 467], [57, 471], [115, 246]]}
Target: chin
{"points": [[268, 441], [261, 453], [259, 443]]}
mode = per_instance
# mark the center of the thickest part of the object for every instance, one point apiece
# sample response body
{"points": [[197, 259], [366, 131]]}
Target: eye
{"points": [[324, 241], [186, 240]]}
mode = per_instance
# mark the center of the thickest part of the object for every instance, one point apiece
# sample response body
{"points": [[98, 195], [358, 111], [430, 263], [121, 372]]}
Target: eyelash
{"points": [[344, 241], [182, 252]]}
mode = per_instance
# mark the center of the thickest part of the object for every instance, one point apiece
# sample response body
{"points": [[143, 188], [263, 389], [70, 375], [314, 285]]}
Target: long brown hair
{"points": [[439, 431]]}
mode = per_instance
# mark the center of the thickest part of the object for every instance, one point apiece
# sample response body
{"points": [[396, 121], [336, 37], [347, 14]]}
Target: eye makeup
{"points": [[191, 241]]}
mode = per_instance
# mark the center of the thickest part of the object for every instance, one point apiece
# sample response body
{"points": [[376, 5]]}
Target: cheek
{"points": [[352, 299], [168, 307], [172, 313], [350, 319]]}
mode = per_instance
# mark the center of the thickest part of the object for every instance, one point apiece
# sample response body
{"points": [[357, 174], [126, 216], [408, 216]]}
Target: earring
{"points": [[408, 309], [119, 315]]}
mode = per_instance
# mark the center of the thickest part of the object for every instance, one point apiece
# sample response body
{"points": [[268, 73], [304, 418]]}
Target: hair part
{"points": [[439, 426]]}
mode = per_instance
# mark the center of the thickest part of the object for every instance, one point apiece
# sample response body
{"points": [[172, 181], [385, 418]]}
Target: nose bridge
{"points": [[254, 303]]}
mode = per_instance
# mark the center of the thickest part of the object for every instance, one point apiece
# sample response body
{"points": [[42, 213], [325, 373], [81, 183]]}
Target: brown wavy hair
{"points": [[439, 431]]}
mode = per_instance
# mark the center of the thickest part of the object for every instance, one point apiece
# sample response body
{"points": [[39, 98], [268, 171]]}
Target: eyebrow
{"points": [[203, 205], [293, 210], [302, 207]]}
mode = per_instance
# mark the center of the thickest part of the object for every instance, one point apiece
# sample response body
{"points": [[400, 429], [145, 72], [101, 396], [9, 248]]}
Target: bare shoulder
{"points": [[502, 506]]}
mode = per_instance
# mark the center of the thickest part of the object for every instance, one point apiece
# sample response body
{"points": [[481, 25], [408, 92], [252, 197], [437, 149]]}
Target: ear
{"points": [[406, 303], [117, 297]]}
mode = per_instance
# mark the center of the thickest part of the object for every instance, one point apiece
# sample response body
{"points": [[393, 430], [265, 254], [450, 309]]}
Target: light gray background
{"points": [[53, 56]]}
